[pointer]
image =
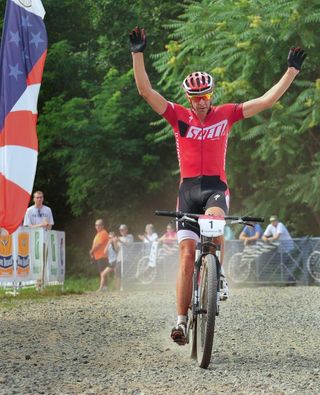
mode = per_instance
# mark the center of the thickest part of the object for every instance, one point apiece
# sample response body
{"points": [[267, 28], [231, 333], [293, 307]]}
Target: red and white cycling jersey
{"points": [[201, 148]]}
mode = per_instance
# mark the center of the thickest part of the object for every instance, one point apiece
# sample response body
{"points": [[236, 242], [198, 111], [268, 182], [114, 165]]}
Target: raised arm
{"points": [[138, 42], [295, 59]]}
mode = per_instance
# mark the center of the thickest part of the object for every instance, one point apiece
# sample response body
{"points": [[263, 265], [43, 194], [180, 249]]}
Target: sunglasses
{"points": [[197, 98]]}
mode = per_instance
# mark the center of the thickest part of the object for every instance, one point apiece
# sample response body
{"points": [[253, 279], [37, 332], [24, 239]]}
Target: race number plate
{"points": [[210, 226]]}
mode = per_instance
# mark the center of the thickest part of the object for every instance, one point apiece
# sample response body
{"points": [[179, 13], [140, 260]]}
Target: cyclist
{"points": [[201, 134]]}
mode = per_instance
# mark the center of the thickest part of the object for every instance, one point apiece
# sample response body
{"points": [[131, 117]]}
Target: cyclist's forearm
{"points": [[140, 74], [277, 91], [253, 107], [152, 97], [255, 237]]}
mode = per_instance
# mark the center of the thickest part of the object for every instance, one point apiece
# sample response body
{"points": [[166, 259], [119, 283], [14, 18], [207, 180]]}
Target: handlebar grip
{"points": [[252, 219]]}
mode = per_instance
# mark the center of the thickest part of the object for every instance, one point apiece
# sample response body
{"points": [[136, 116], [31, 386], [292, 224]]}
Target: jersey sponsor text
{"points": [[208, 133]]}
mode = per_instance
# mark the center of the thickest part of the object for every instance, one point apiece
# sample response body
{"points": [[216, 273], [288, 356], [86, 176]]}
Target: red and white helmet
{"points": [[198, 83]]}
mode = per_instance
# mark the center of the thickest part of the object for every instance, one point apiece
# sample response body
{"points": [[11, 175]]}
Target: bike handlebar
{"points": [[180, 214], [252, 219]]}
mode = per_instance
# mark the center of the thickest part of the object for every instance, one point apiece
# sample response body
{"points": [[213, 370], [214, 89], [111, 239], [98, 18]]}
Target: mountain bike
{"points": [[205, 301]]}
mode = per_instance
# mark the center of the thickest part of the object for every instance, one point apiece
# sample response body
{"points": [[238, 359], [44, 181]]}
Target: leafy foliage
{"points": [[273, 158], [97, 156]]}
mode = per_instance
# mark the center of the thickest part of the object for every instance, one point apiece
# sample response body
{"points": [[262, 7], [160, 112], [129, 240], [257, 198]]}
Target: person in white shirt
{"points": [[38, 215], [149, 235], [276, 231], [125, 242]]}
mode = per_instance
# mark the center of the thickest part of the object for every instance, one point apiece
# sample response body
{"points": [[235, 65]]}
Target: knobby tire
{"points": [[208, 302], [192, 335]]}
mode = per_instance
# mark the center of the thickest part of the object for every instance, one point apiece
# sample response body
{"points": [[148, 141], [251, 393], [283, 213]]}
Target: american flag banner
{"points": [[22, 57]]}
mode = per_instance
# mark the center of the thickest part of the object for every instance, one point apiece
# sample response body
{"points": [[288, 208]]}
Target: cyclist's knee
{"points": [[187, 255], [216, 211], [187, 249]]}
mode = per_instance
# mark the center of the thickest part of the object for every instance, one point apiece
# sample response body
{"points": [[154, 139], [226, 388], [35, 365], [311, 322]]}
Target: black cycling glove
{"points": [[138, 40], [296, 57]]}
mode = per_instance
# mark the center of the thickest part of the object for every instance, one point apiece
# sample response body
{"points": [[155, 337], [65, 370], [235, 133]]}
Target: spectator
{"points": [[251, 234], [169, 239], [170, 236], [97, 252], [111, 252], [38, 215], [277, 231], [149, 235], [125, 241]]}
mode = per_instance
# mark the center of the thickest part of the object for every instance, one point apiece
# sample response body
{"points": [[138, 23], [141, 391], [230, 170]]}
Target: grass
{"points": [[72, 285]]}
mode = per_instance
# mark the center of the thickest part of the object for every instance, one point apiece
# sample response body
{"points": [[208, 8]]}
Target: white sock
{"points": [[182, 319]]}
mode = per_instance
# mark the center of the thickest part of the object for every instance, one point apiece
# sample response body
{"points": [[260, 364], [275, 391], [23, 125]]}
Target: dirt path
{"points": [[267, 342]]}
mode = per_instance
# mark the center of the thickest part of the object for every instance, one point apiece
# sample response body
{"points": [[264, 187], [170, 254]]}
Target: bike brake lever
{"points": [[195, 225], [186, 218], [236, 221]]}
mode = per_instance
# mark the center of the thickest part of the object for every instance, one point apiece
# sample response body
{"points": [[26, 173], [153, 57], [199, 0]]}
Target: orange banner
{"points": [[23, 267], [6, 256]]}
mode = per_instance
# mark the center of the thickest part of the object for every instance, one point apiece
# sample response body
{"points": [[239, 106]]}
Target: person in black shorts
{"points": [[201, 133], [197, 194]]}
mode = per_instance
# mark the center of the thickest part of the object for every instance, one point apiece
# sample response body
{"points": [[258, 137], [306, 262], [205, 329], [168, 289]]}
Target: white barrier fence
{"points": [[289, 262], [32, 257], [145, 265]]}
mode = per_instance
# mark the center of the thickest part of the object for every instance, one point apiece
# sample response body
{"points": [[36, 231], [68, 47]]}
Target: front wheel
{"points": [[208, 301], [192, 335], [313, 265]]}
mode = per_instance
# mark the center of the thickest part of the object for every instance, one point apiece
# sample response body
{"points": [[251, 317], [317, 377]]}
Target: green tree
{"points": [[273, 158], [95, 133]]}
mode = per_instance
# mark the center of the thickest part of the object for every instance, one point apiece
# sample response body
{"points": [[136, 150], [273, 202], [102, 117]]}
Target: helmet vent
{"points": [[197, 83]]}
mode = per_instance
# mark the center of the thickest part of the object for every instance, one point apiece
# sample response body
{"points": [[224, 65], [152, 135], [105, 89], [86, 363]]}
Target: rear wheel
{"points": [[313, 265], [145, 273], [208, 300]]}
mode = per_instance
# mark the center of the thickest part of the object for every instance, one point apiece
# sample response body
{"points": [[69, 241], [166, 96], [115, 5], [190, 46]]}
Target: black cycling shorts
{"points": [[197, 194]]}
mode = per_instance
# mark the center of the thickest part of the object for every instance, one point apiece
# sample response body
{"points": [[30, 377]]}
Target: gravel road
{"points": [[267, 342]]}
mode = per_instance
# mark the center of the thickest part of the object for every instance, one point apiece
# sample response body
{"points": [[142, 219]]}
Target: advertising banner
{"points": [[52, 263], [23, 261], [32, 256], [61, 256], [37, 252], [6, 256]]}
